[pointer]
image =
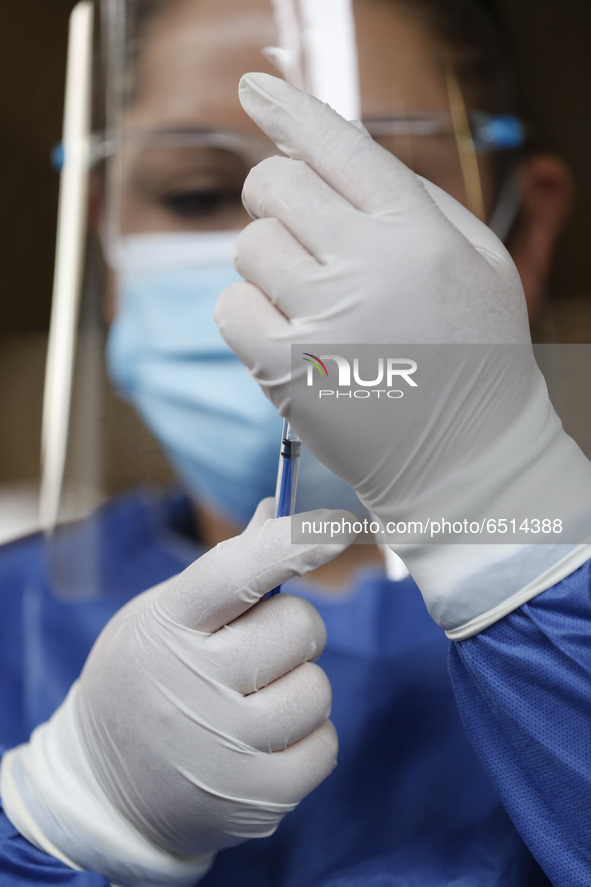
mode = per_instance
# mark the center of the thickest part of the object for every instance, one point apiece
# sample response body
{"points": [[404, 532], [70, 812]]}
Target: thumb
{"points": [[476, 232], [264, 511]]}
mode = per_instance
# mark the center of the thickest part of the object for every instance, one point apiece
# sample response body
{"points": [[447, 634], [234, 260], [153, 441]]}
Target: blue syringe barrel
{"points": [[287, 476]]}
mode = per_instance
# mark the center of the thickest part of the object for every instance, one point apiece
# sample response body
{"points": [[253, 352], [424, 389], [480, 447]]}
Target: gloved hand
{"points": [[199, 720], [351, 247]]}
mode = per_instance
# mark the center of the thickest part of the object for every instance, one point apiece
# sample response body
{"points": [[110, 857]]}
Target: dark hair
{"points": [[472, 35]]}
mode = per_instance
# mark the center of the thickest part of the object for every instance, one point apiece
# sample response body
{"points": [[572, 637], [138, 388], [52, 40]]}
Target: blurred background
{"points": [[551, 43]]}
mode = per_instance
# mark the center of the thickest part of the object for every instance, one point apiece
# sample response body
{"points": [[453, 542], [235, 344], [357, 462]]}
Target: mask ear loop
{"points": [[69, 262], [465, 144]]}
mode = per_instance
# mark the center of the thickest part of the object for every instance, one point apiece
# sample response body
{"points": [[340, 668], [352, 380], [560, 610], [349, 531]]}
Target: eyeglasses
{"points": [[189, 178], [489, 132]]}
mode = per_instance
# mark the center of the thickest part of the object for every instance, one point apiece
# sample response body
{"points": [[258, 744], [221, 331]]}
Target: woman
{"points": [[418, 808]]}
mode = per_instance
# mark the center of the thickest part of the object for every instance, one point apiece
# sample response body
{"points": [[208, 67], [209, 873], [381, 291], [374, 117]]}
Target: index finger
{"points": [[346, 157]]}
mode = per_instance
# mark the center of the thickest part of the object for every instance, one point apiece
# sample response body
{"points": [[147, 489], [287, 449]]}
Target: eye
{"points": [[200, 202]]}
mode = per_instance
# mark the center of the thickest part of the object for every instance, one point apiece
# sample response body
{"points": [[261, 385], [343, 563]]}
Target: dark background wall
{"points": [[33, 36], [552, 41]]}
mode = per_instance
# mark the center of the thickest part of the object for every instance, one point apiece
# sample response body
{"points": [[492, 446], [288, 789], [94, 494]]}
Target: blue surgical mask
{"points": [[166, 356]]}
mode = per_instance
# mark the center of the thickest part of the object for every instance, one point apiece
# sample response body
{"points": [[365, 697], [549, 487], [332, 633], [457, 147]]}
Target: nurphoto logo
{"points": [[350, 379]]}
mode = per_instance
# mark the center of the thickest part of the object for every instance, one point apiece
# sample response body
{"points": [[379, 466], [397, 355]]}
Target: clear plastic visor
{"points": [[151, 202]]}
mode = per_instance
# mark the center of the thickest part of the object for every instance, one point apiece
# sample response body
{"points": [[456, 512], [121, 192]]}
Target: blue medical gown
{"points": [[410, 803]]}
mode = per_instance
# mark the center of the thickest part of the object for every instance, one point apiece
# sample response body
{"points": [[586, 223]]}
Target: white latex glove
{"points": [[349, 247], [199, 720]]}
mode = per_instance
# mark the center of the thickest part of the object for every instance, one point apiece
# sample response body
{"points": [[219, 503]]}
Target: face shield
{"points": [[155, 151]]}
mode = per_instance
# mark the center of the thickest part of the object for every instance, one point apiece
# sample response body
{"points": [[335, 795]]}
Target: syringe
{"points": [[287, 476]]}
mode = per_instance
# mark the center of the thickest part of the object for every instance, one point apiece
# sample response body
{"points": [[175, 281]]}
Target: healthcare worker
{"points": [[163, 753]]}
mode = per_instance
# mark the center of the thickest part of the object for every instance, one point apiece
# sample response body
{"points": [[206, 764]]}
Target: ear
{"points": [[547, 200]]}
